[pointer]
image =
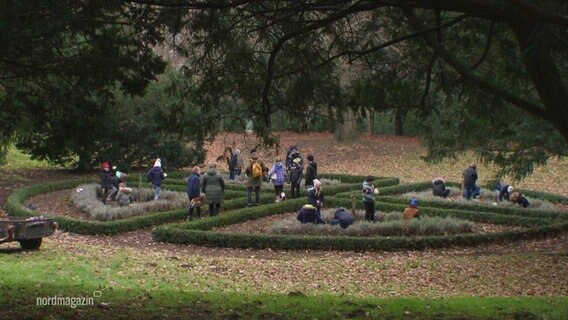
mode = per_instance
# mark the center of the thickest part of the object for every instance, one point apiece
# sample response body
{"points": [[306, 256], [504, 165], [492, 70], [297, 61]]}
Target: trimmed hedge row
{"points": [[200, 233], [517, 211], [541, 223]]}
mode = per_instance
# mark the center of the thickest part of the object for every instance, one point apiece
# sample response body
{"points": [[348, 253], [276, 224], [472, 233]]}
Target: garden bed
{"points": [[263, 225]]}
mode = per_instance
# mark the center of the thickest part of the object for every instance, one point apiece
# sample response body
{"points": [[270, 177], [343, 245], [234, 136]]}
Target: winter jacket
{"points": [[504, 192], [278, 169], [309, 214], [155, 176], [106, 179], [193, 186], [311, 173], [411, 212], [345, 219], [368, 192], [315, 197], [254, 182], [233, 161], [115, 181], [213, 186], [439, 188], [469, 177]]}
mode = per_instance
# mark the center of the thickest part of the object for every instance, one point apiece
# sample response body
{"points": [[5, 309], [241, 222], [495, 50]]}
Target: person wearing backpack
{"points": [[277, 175], [311, 172], [255, 172]]}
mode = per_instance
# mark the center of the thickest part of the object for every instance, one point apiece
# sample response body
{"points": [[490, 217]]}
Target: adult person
{"points": [[311, 172], [470, 188], [296, 172], [344, 218], [439, 188], [520, 199], [315, 196], [369, 194], [505, 191], [255, 172], [309, 214], [213, 186], [156, 175], [106, 180], [193, 192], [277, 176]]}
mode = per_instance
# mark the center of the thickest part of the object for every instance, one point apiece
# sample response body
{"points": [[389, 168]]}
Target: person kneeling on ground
{"points": [[412, 210], [124, 196], [309, 214], [343, 218], [439, 188], [517, 197]]}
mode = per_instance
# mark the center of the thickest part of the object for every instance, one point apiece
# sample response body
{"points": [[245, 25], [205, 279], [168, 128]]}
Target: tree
{"points": [[59, 64], [448, 49]]}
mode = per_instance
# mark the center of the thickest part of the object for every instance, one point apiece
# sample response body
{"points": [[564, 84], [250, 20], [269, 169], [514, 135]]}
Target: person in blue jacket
{"points": [[343, 218], [309, 214], [156, 175], [193, 193]]}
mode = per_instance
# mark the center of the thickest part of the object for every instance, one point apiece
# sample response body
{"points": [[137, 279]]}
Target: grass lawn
{"points": [[93, 277]]}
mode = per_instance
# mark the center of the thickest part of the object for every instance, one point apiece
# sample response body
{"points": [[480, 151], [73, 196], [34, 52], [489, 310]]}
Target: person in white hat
{"points": [[315, 196], [155, 176]]}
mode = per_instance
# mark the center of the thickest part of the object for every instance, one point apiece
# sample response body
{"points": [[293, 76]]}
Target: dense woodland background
{"points": [[86, 81]]}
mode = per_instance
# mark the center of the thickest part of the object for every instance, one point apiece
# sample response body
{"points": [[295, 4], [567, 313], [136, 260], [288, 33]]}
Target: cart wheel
{"points": [[31, 244]]}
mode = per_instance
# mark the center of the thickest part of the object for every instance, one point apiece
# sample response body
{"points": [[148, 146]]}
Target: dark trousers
{"points": [[105, 195], [214, 209], [256, 195], [191, 209], [278, 190], [369, 210], [295, 189]]}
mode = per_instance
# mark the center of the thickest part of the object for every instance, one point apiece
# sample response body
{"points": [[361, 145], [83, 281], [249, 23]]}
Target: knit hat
{"points": [[237, 151], [510, 189], [370, 178], [158, 163], [317, 183], [413, 202], [309, 207], [105, 165]]}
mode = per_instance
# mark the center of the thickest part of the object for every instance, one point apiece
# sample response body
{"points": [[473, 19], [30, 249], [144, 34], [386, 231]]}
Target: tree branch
{"points": [[472, 78]]}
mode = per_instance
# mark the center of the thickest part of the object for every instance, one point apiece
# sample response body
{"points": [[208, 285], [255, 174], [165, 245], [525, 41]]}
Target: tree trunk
{"points": [[534, 46], [372, 122], [347, 131], [398, 122]]}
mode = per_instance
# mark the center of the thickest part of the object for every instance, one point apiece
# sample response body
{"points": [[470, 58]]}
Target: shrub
{"points": [[392, 225], [88, 201]]}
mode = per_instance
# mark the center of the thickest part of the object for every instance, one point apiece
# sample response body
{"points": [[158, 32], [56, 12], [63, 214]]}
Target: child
{"points": [[412, 210], [277, 175], [124, 195]]}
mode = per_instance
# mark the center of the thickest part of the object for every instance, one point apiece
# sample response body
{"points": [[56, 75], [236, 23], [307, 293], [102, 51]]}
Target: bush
{"points": [[392, 225], [88, 201]]}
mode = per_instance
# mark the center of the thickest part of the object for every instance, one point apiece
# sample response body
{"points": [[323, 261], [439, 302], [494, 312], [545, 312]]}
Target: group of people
{"points": [[504, 192], [209, 188], [113, 184]]}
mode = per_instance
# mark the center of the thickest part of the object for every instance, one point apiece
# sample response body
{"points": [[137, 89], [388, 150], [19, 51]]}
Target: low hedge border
{"points": [[14, 206], [513, 211], [199, 232]]}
